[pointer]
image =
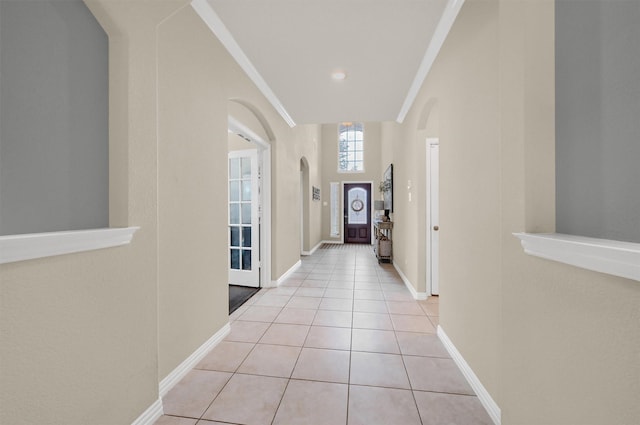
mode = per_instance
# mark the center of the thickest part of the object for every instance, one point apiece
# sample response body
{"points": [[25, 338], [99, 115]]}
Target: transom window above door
{"points": [[351, 147]]}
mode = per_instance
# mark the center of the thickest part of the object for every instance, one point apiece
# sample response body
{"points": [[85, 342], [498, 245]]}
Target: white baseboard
{"points": [[416, 295], [314, 249], [288, 273], [178, 373], [336, 242], [485, 398], [151, 414]]}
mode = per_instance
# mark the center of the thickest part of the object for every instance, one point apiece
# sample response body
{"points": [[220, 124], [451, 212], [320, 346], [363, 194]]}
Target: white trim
{"points": [[485, 398], [351, 172], [265, 227], [38, 245], [215, 24], [601, 255], [430, 141], [288, 273], [335, 242], [447, 19], [151, 415], [314, 249], [190, 362], [264, 158], [236, 126], [416, 295], [252, 276]]}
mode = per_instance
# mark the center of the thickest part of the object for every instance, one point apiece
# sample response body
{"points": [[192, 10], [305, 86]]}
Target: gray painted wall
{"points": [[54, 132], [598, 118]]}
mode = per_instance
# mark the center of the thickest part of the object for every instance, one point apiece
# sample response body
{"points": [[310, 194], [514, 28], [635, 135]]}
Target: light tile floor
{"points": [[340, 342]]}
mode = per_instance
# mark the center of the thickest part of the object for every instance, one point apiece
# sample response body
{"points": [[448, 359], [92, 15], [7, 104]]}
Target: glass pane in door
{"points": [[234, 213], [234, 191], [357, 205], [246, 190], [235, 235], [246, 213], [235, 259], [246, 259], [246, 236]]}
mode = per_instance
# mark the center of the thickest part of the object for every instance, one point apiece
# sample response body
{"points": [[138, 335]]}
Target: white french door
{"points": [[244, 218]]}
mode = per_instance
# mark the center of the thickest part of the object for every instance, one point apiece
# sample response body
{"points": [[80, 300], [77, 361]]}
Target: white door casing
{"points": [[264, 156], [433, 218]]}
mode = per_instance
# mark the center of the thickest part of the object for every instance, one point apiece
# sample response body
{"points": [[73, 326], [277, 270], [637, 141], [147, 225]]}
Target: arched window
{"points": [[351, 147]]}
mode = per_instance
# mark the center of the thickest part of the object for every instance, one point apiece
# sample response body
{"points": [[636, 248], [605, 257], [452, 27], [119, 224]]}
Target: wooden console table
{"points": [[383, 246]]}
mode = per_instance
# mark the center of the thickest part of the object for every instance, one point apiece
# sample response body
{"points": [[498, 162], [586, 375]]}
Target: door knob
{"points": [[436, 228]]}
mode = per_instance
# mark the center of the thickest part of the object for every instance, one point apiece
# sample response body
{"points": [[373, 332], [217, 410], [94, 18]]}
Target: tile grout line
{"points": [[357, 260], [234, 373], [353, 300]]}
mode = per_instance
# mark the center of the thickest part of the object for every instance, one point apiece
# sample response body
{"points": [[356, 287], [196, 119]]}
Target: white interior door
{"points": [[244, 229], [433, 216]]}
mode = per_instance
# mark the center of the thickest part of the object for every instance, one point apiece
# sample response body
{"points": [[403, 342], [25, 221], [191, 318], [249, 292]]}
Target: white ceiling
{"points": [[291, 47]]}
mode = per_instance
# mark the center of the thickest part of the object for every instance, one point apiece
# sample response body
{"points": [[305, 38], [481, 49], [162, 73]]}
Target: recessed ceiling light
{"points": [[339, 75]]}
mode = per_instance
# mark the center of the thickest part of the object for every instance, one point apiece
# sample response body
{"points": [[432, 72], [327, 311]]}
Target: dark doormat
{"points": [[239, 295]]}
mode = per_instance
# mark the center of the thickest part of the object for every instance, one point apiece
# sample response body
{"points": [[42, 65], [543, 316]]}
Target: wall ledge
{"points": [[616, 258], [38, 245]]}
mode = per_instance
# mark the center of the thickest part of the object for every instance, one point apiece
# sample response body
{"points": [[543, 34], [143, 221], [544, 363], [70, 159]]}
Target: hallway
{"points": [[341, 341]]}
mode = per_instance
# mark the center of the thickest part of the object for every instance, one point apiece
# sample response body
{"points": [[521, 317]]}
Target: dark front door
{"points": [[357, 214]]}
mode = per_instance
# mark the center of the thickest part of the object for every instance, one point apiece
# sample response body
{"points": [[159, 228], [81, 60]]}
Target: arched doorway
{"points": [[249, 202], [304, 207]]}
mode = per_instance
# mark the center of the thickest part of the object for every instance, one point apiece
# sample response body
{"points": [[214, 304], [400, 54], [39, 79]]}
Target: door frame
{"points": [[305, 199], [342, 183], [264, 163], [432, 289], [247, 277]]}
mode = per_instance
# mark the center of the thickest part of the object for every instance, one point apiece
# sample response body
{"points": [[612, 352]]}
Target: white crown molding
{"points": [[38, 245], [485, 398], [447, 19], [215, 24], [190, 362], [416, 295], [602, 255]]}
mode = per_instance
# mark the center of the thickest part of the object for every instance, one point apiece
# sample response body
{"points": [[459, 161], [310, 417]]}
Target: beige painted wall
{"points": [[89, 336], [570, 336], [463, 87], [308, 140], [196, 84], [553, 344], [79, 332], [372, 169], [192, 156]]}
